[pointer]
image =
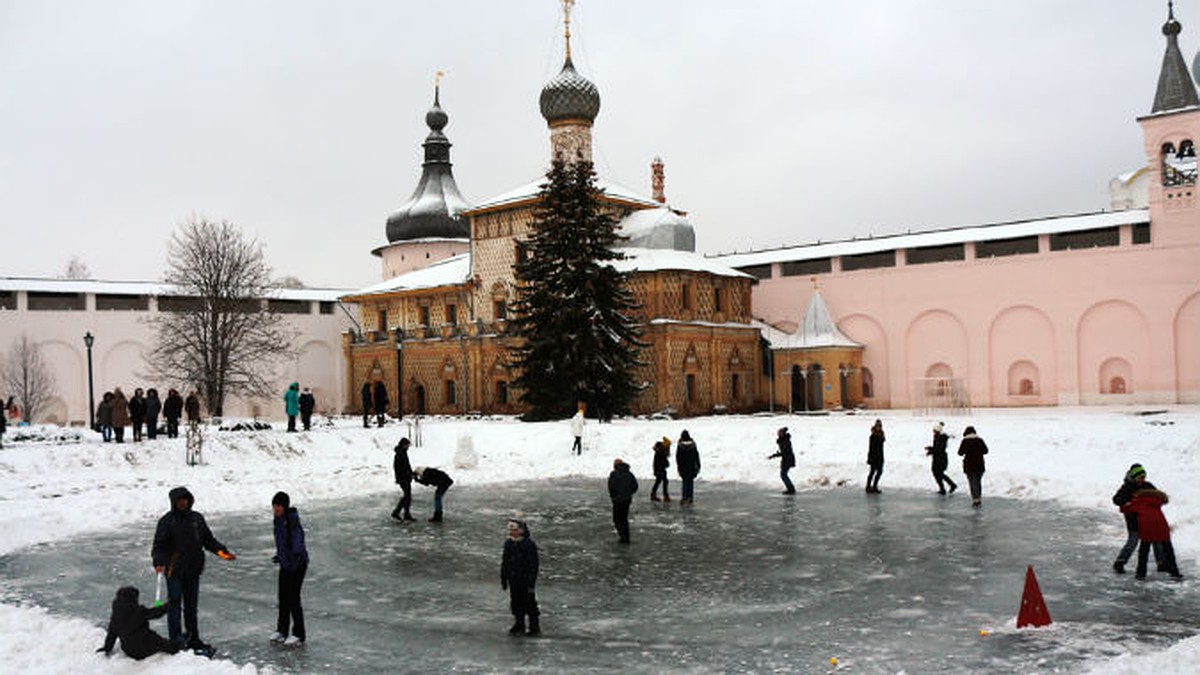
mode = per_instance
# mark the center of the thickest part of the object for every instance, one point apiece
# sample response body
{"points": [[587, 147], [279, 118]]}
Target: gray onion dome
{"points": [[570, 96]]}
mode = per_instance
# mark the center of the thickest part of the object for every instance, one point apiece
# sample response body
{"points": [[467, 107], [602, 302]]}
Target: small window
{"points": [[381, 320], [288, 306], [1103, 236], [424, 312], [1141, 233], [1116, 385], [133, 303], [452, 314], [996, 248], [500, 310], [735, 387], [56, 301], [451, 394], [757, 271], [690, 388], [501, 393], [326, 307], [687, 296], [803, 268], [867, 261], [8, 300], [179, 303], [924, 255], [717, 300]]}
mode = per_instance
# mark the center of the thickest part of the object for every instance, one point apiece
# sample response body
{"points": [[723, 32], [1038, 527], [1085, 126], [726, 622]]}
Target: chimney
{"points": [[657, 180]]}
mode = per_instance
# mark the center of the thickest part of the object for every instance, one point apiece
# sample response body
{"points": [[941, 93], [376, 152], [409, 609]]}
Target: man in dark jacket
{"points": [[787, 459], [972, 449], [307, 404], [621, 487], [1135, 479], [380, 398], [435, 478], [130, 622], [939, 463], [687, 463], [137, 413], [153, 408], [192, 407], [518, 574], [173, 410], [404, 476], [180, 539], [292, 555], [368, 406]]}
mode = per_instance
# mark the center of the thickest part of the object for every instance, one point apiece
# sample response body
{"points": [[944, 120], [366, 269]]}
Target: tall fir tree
{"points": [[573, 310]]}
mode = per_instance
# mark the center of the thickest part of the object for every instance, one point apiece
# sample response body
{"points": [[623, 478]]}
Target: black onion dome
{"points": [[432, 210], [570, 96]]}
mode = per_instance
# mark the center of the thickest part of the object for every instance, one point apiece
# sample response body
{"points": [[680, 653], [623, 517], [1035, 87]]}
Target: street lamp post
{"points": [[88, 341]]}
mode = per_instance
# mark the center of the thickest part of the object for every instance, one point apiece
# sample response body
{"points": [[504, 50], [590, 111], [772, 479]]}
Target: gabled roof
{"points": [[449, 272], [815, 330], [655, 260], [528, 193]]}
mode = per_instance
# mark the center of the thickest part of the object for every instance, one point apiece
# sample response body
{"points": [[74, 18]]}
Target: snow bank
{"points": [[54, 491]]}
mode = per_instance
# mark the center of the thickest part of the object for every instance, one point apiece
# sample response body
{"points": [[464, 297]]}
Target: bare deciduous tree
{"points": [[221, 338], [27, 378], [76, 269]]}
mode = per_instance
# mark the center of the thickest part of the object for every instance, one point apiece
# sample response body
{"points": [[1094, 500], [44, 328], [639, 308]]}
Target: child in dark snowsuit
{"points": [[518, 574], [292, 555], [662, 460], [1152, 529], [937, 452], [787, 459], [130, 622]]}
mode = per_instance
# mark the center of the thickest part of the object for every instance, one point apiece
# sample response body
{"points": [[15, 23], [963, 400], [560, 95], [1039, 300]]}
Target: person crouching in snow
{"points": [[435, 478], [292, 555], [130, 622], [1152, 530], [518, 575]]}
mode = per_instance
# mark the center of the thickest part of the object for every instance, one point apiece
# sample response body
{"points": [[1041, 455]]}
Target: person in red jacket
{"points": [[1152, 529]]}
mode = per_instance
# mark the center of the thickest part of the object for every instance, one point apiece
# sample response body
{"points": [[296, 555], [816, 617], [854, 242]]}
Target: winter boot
{"points": [[535, 626], [408, 516], [1119, 567], [396, 515], [518, 627], [654, 497], [666, 497], [437, 518]]}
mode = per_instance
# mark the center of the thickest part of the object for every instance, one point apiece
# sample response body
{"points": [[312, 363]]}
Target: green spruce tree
{"points": [[577, 340]]}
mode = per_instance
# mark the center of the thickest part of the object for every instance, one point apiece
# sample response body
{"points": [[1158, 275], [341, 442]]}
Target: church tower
{"points": [[570, 103], [1170, 133]]}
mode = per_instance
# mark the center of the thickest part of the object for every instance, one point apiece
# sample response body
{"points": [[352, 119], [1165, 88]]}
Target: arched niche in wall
{"points": [[1024, 379], [1112, 331], [1022, 334], [1116, 377], [936, 337], [868, 332], [1187, 350]]}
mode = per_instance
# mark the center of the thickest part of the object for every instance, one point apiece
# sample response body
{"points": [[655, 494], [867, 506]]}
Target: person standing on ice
{"points": [[180, 539], [972, 449], [937, 452], [1135, 479], [787, 459], [875, 457], [130, 623], [1153, 531], [621, 487], [577, 429], [404, 477], [687, 463], [435, 478], [292, 555], [662, 460], [291, 404], [518, 575], [307, 404]]}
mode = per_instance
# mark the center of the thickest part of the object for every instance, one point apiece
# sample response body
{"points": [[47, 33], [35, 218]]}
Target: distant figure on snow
{"points": [[687, 463], [191, 406], [172, 411], [875, 457], [104, 416], [621, 487], [120, 414], [937, 452], [291, 553], [787, 459], [137, 413], [577, 429], [972, 449], [153, 408], [367, 405], [1152, 529], [307, 404], [662, 460], [435, 478], [1135, 479], [379, 396], [130, 623], [518, 574], [291, 404], [404, 477]]}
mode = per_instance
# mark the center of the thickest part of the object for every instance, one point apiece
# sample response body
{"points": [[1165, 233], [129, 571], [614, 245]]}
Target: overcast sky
{"points": [[779, 122]]}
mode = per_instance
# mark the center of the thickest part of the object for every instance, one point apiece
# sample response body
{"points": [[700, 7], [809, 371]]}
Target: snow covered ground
{"points": [[50, 492]]}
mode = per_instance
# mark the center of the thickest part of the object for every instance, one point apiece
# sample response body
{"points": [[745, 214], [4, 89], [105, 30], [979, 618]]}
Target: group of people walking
{"points": [[181, 538], [143, 411], [971, 449]]}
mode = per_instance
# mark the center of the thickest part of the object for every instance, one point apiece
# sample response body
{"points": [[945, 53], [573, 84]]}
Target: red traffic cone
{"points": [[1033, 607]]}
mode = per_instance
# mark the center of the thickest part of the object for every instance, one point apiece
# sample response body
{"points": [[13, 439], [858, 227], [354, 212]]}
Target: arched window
{"points": [[1116, 385], [1179, 167], [1023, 379], [1116, 377]]}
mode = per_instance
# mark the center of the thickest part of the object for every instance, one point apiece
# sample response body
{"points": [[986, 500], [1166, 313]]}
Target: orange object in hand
{"points": [[226, 555]]}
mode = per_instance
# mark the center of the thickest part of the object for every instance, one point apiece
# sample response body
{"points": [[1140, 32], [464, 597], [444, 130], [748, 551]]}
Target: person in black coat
{"points": [[368, 407], [173, 410], [104, 416], [621, 487], [137, 413], [380, 398], [191, 406], [687, 463], [404, 477], [875, 457], [180, 540], [937, 453], [972, 449], [787, 459], [153, 408], [3, 423], [518, 574], [1135, 480], [291, 553], [662, 460], [307, 404], [130, 623], [435, 478]]}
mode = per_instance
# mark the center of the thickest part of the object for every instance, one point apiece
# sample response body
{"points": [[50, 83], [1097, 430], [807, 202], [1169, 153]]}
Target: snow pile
{"points": [[51, 491]]}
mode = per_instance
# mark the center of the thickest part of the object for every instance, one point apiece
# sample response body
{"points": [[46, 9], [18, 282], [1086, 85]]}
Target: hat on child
{"points": [[938, 427], [1135, 471], [282, 499]]}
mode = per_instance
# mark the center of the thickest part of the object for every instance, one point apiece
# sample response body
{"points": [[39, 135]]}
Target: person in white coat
{"points": [[577, 430]]}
